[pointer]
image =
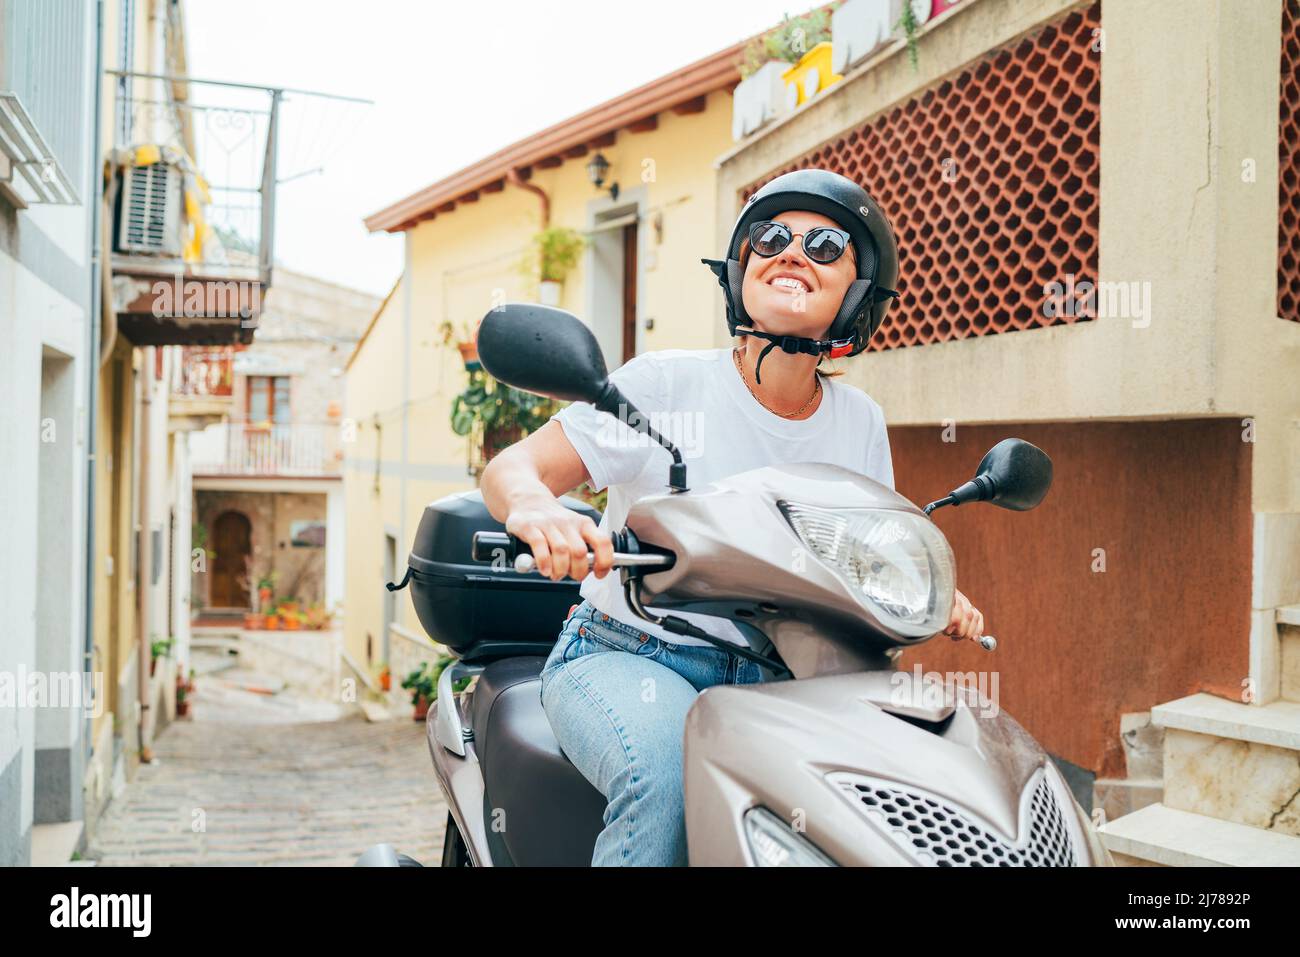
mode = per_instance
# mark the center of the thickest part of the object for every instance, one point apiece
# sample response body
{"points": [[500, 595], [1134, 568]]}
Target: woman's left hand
{"points": [[967, 621]]}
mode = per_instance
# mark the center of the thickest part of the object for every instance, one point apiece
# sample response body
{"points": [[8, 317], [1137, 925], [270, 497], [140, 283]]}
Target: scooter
{"points": [[842, 759]]}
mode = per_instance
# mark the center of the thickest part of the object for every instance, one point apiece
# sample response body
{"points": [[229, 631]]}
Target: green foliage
{"points": [[199, 539], [161, 647], [907, 23], [558, 248], [498, 406], [788, 41], [423, 681]]}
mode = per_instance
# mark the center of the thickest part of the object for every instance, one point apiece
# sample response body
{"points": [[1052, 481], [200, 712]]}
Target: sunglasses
{"points": [[822, 244]]}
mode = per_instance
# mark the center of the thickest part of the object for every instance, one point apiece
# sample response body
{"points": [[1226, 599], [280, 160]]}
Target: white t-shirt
{"points": [[697, 400]]}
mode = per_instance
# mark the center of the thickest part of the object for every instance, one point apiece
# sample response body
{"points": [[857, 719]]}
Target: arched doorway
{"points": [[232, 535]]}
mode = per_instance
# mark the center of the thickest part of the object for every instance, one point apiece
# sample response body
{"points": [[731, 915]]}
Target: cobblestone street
{"points": [[253, 779]]}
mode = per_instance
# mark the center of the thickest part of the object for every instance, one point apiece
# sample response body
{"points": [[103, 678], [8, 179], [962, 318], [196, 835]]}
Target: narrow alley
{"points": [[258, 779]]}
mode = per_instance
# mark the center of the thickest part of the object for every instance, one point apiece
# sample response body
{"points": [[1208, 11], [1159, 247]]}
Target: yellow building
{"points": [[638, 282]]}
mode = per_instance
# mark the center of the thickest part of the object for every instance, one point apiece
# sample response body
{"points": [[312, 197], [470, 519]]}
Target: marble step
{"points": [[1163, 835], [1276, 724], [1236, 762]]}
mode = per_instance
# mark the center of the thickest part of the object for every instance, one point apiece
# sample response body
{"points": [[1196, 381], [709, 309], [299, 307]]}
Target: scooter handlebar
{"points": [[489, 546], [499, 546]]}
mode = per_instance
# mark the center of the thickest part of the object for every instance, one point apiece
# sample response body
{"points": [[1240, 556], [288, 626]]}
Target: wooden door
{"points": [[232, 541], [629, 291]]}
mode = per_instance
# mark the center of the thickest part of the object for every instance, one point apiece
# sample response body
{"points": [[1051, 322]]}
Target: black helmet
{"points": [[853, 210]]}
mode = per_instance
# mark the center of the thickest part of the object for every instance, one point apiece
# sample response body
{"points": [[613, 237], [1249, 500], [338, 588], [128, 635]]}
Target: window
{"points": [[268, 399]]}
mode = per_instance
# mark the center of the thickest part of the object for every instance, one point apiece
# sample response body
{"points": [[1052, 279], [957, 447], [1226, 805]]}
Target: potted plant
{"points": [[466, 339], [558, 248], [271, 622], [253, 620], [501, 415], [385, 677], [317, 617], [423, 684], [184, 688], [159, 648], [265, 588], [762, 93]]}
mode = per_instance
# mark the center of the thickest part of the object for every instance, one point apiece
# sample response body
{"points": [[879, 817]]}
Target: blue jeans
{"points": [[617, 701]]}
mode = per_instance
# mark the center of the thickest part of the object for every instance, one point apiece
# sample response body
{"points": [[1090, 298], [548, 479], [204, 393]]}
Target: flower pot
{"points": [[273, 622], [253, 622], [182, 708], [153, 666], [386, 680], [468, 353], [421, 709], [289, 622], [548, 292], [263, 597], [759, 98]]}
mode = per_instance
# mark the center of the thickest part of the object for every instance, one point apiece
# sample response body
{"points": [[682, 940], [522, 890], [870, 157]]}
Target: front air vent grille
{"points": [[937, 834]]}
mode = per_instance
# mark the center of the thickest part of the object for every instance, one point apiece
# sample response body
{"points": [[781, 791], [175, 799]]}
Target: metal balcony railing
{"points": [[298, 449], [230, 140]]}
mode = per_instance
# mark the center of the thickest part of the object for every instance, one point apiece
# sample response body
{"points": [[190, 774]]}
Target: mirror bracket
{"points": [[613, 402]]}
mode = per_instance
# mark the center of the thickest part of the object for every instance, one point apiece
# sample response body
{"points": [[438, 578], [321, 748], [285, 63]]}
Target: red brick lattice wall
{"points": [[990, 180], [1288, 160]]}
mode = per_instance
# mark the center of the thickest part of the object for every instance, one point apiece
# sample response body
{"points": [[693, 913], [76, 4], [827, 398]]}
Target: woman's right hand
{"points": [[560, 538]]}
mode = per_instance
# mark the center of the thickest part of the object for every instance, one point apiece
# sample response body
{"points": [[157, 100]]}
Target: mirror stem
{"points": [[939, 504], [979, 489], [611, 400]]}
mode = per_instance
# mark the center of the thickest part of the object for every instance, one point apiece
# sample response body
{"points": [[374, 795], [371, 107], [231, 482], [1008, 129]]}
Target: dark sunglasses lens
{"points": [[768, 239], [824, 245]]}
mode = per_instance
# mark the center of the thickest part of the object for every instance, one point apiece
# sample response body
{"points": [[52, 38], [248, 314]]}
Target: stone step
{"points": [[1174, 838], [1235, 762], [1276, 724]]}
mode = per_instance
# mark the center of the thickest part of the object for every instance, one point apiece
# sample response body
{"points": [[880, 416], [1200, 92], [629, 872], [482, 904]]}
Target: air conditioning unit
{"points": [[149, 210]]}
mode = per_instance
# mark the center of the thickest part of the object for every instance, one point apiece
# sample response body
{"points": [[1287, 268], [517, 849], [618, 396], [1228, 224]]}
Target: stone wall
{"points": [[300, 572]]}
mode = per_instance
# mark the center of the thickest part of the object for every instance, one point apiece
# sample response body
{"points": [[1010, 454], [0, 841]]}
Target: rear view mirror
{"points": [[552, 352], [543, 350], [1013, 474]]}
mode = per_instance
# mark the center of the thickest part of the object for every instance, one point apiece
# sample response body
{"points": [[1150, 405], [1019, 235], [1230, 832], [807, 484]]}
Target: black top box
{"points": [[478, 611]]}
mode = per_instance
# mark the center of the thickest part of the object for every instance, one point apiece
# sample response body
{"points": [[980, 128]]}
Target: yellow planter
{"points": [[812, 74]]}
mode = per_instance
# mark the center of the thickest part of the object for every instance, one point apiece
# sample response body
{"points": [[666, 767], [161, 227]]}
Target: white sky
{"points": [[452, 82]]}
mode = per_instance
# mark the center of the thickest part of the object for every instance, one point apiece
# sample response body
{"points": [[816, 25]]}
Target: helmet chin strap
{"points": [[795, 345]]}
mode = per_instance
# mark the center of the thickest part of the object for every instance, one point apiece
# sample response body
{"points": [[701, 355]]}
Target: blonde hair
{"points": [[744, 265]]}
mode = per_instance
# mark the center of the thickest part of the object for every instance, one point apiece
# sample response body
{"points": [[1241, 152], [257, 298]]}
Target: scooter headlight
{"points": [[897, 564], [773, 844]]}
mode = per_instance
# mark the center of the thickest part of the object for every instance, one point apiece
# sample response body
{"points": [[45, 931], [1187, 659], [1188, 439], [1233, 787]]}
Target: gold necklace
{"points": [[817, 390]]}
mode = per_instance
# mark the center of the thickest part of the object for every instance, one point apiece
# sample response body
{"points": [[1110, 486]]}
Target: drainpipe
{"points": [[94, 312], [143, 595], [514, 177]]}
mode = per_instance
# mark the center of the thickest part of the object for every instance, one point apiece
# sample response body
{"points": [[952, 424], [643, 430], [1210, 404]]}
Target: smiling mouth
{"points": [[791, 283]]}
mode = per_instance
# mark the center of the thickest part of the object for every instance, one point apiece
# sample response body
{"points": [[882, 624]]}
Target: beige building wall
{"points": [[401, 381]]}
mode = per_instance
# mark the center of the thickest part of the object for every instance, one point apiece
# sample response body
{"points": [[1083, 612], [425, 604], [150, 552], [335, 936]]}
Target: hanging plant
{"points": [[558, 249], [908, 24]]}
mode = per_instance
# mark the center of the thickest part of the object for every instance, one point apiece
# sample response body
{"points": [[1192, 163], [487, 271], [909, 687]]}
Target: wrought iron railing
{"points": [[302, 449]]}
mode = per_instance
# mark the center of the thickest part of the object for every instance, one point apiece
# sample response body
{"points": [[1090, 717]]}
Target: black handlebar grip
{"points": [[488, 546]]}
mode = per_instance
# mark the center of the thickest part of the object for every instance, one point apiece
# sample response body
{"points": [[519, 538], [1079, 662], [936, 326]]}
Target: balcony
{"points": [[267, 450], [202, 388], [191, 255]]}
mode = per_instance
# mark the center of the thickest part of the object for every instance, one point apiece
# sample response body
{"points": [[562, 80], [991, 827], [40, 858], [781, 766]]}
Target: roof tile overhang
{"points": [[682, 90]]}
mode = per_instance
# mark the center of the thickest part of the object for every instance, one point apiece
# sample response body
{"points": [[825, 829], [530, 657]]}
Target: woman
{"points": [[807, 276]]}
